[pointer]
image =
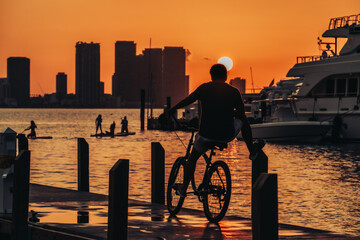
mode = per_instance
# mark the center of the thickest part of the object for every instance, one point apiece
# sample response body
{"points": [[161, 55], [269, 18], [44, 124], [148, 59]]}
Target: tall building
{"points": [[88, 73], [174, 80], [239, 83], [153, 76], [4, 90], [61, 85], [18, 74], [123, 82], [160, 72]]}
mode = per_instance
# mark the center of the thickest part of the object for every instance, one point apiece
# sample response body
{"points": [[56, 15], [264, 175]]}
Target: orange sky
{"points": [[265, 35]]}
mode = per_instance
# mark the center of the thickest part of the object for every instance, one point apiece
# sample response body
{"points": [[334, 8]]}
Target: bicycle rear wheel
{"points": [[217, 191], [174, 201]]}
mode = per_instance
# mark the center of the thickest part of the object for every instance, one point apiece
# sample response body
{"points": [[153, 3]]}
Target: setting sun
{"points": [[227, 62]]}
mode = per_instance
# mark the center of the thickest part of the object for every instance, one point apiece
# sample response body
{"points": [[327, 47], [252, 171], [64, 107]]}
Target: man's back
{"points": [[218, 101]]}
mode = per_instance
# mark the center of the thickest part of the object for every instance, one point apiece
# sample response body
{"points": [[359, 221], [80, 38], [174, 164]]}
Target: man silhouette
{"points": [[221, 119]]}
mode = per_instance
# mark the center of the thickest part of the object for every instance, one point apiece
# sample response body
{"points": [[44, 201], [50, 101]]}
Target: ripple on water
{"points": [[318, 184]]}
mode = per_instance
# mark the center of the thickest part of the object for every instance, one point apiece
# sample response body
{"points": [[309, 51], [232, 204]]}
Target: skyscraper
{"points": [[18, 74], [88, 73], [123, 82], [153, 76], [61, 85], [4, 90], [239, 83], [174, 80]]}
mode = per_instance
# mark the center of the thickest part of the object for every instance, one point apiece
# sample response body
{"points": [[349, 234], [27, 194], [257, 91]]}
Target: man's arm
{"points": [[186, 101]]}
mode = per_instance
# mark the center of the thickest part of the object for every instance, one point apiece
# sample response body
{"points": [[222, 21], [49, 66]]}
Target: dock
{"points": [[71, 214]]}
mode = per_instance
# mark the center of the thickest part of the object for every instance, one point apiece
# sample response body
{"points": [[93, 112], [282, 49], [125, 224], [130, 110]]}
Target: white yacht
{"points": [[324, 90], [330, 86]]}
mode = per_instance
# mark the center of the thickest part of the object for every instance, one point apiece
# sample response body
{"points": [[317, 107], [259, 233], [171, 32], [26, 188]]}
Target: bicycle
{"points": [[214, 191]]}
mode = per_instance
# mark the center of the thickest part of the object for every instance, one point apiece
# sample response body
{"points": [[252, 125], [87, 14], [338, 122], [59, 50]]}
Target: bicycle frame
{"points": [[207, 160]]}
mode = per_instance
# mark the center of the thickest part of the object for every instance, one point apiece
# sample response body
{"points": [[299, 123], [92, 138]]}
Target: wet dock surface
{"points": [[85, 214]]}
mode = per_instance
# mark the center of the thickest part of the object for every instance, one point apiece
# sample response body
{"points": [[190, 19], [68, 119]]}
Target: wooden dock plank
{"points": [[145, 220]]}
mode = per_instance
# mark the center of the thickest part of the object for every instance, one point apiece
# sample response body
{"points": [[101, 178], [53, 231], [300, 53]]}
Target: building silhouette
{"points": [[4, 91], [61, 86], [124, 83], [153, 77], [175, 83], [88, 74], [18, 77], [239, 83], [161, 72]]}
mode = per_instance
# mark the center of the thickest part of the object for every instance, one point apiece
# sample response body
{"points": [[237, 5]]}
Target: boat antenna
{"points": [[252, 80]]}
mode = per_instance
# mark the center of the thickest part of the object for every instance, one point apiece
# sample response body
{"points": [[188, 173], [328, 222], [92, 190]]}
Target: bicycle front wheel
{"points": [[174, 200], [217, 191]]}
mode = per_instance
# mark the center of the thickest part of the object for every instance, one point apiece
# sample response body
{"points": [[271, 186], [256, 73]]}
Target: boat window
{"points": [[352, 87], [330, 87], [340, 87]]}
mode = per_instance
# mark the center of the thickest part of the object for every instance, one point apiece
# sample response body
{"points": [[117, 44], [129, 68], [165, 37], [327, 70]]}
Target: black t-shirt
{"points": [[218, 103]]}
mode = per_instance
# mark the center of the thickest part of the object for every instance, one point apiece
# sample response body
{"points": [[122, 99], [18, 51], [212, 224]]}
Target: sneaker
{"points": [[258, 145]]}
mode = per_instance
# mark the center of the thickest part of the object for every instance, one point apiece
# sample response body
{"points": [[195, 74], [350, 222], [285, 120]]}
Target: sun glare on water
{"points": [[227, 62]]}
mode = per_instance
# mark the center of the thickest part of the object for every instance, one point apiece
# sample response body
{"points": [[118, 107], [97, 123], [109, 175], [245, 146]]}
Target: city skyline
{"points": [[266, 36], [160, 72]]}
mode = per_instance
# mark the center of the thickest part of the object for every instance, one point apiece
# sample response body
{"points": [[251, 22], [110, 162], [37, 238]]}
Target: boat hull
{"points": [[115, 135], [292, 131]]}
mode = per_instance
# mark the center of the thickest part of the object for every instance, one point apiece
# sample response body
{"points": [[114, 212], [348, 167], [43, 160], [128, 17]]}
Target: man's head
{"points": [[218, 72]]}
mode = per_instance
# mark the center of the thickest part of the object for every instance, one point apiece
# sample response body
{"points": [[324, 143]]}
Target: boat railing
{"points": [[335, 23], [344, 22], [304, 59]]}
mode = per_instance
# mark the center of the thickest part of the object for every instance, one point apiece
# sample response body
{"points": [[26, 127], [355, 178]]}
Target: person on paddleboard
{"points": [[112, 129], [98, 122], [32, 127], [124, 125]]}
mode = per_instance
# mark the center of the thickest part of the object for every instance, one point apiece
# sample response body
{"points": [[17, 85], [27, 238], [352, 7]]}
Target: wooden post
{"points": [[142, 109], [118, 200], [265, 208], [259, 166], [21, 196], [22, 143], [83, 165], [157, 173]]}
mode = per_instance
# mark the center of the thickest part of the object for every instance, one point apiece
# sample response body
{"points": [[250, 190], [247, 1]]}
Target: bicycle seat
{"points": [[219, 145]]}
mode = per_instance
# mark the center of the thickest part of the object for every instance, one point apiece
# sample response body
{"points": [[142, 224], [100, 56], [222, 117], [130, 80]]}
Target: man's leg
{"points": [[247, 135], [189, 170]]}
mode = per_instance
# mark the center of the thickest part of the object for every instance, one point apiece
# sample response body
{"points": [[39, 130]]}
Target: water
{"points": [[318, 184]]}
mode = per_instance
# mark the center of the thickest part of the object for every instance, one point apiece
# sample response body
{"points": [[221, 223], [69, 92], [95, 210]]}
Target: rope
{"points": [[180, 139]]}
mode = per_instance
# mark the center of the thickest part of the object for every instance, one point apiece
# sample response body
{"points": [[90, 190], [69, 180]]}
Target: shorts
{"points": [[202, 144]]}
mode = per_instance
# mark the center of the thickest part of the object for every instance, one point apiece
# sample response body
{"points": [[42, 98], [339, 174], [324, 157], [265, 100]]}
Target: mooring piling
{"points": [[23, 143], [157, 173], [20, 207], [142, 109], [83, 165], [118, 200], [265, 208]]}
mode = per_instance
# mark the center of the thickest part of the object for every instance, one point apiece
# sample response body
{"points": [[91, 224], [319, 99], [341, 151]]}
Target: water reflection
{"points": [[318, 184], [83, 217], [212, 231]]}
